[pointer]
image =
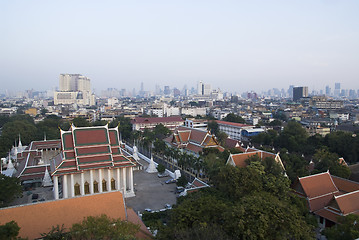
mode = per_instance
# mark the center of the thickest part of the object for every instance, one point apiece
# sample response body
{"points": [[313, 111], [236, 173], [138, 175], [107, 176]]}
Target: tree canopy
{"points": [[10, 188]]}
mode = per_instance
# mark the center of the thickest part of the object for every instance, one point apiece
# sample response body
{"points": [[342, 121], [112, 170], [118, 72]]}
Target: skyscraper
{"points": [[74, 88], [299, 92], [337, 89]]}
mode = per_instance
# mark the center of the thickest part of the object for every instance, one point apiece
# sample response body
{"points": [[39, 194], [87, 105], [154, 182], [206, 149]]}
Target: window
{"points": [[77, 189], [95, 187], [104, 185], [113, 184], [87, 188]]}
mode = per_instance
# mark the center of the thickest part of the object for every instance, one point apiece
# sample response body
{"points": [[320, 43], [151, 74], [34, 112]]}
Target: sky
{"points": [[234, 45]]}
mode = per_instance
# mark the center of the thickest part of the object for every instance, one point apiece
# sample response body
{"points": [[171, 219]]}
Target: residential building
{"points": [[233, 130], [299, 92]]}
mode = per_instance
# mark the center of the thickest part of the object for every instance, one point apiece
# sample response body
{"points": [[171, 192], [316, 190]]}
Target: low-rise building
{"points": [[142, 123]]}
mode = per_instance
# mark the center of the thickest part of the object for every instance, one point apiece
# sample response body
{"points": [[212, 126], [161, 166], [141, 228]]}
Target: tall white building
{"points": [[74, 88]]}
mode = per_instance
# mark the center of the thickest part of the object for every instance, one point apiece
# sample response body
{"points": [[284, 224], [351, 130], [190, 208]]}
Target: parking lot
{"points": [[151, 191]]}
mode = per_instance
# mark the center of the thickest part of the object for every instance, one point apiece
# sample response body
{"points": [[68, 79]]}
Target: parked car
{"points": [[172, 180], [168, 206], [35, 196], [148, 210]]}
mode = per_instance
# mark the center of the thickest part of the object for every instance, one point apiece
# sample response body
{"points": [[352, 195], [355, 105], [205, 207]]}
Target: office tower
{"points": [[199, 88], [327, 90], [337, 89], [74, 89], [167, 90], [290, 91], [299, 92]]}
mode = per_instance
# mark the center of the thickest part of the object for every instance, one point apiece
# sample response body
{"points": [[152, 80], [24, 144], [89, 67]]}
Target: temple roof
{"points": [[90, 148]]}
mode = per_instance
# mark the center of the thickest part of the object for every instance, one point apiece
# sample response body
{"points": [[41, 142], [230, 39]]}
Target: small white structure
{"points": [[135, 153], [177, 174], [151, 167], [47, 182]]}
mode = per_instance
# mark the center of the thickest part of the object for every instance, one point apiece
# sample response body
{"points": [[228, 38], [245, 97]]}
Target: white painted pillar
{"points": [[124, 180], [64, 187], [91, 181], [118, 185], [109, 180], [100, 180], [82, 187], [72, 185], [56, 187], [131, 180]]}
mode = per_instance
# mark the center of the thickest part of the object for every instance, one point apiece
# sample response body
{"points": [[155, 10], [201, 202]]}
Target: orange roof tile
{"points": [[34, 219], [325, 213], [348, 203], [143, 233], [318, 185], [345, 185]]}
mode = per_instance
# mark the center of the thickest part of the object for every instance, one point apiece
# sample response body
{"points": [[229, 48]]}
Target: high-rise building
{"points": [[337, 89], [74, 88], [204, 89], [299, 92], [167, 90], [327, 90]]}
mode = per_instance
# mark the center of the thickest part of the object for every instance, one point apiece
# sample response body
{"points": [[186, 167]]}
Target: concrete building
{"points": [[299, 92], [74, 89]]}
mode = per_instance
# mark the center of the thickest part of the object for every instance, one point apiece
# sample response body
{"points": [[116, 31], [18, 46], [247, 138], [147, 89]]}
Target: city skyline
{"points": [[236, 46]]}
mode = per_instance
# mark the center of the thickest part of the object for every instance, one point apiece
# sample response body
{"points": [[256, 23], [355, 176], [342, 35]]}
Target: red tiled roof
{"points": [[231, 143], [345, 185], [92, 150], [141, 120], [90, 136], [348, 203], [327, 214], [184, 135], [34, 219], [320, 202], [193, 148], [233, 124], [318, 185]]}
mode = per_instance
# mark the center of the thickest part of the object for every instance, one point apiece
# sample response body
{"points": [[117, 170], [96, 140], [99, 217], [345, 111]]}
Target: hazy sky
{"points": [[234, 45]]}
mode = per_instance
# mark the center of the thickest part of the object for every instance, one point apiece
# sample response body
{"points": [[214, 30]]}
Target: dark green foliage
{"points": [[182, 181], [103, 227], [245, 203], [100, 227], [213, 127], [231, 117], [347, 229], [293, 137], [80, 122], [325, 160], [9, 231], [161, 168], [10, 188]]}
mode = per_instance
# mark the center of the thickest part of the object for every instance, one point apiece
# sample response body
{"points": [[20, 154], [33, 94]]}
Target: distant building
{"points": [[74, 89], [196, 123], [299, 92], [321, 102], [233, 130]]}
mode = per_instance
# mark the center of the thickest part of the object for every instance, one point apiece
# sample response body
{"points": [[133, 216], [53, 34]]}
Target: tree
{"points": [[231, 117], [103, 227], [213, 127], [182, 181], [325, 160], [10, 188], [293, 137], [80, 122], [161, 168], [9, 231], [347, 229]]}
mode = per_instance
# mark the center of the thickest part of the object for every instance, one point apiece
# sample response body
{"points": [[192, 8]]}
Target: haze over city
{"points": [[233, 45]]}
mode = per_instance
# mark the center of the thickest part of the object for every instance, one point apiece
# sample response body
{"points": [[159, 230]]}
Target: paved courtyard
{"points": [[151, 191]]}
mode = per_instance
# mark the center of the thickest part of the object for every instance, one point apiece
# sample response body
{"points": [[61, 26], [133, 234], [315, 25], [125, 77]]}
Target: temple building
{"points": [[92, 161]]}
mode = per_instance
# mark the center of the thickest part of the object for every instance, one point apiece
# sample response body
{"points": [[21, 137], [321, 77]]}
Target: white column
{"points": [[64, 187], [82, 188], [109, 180], [56, 187], [72, 185], [118, 185], [131, 179], [91, 181], [100, 180], [124, 180]]}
